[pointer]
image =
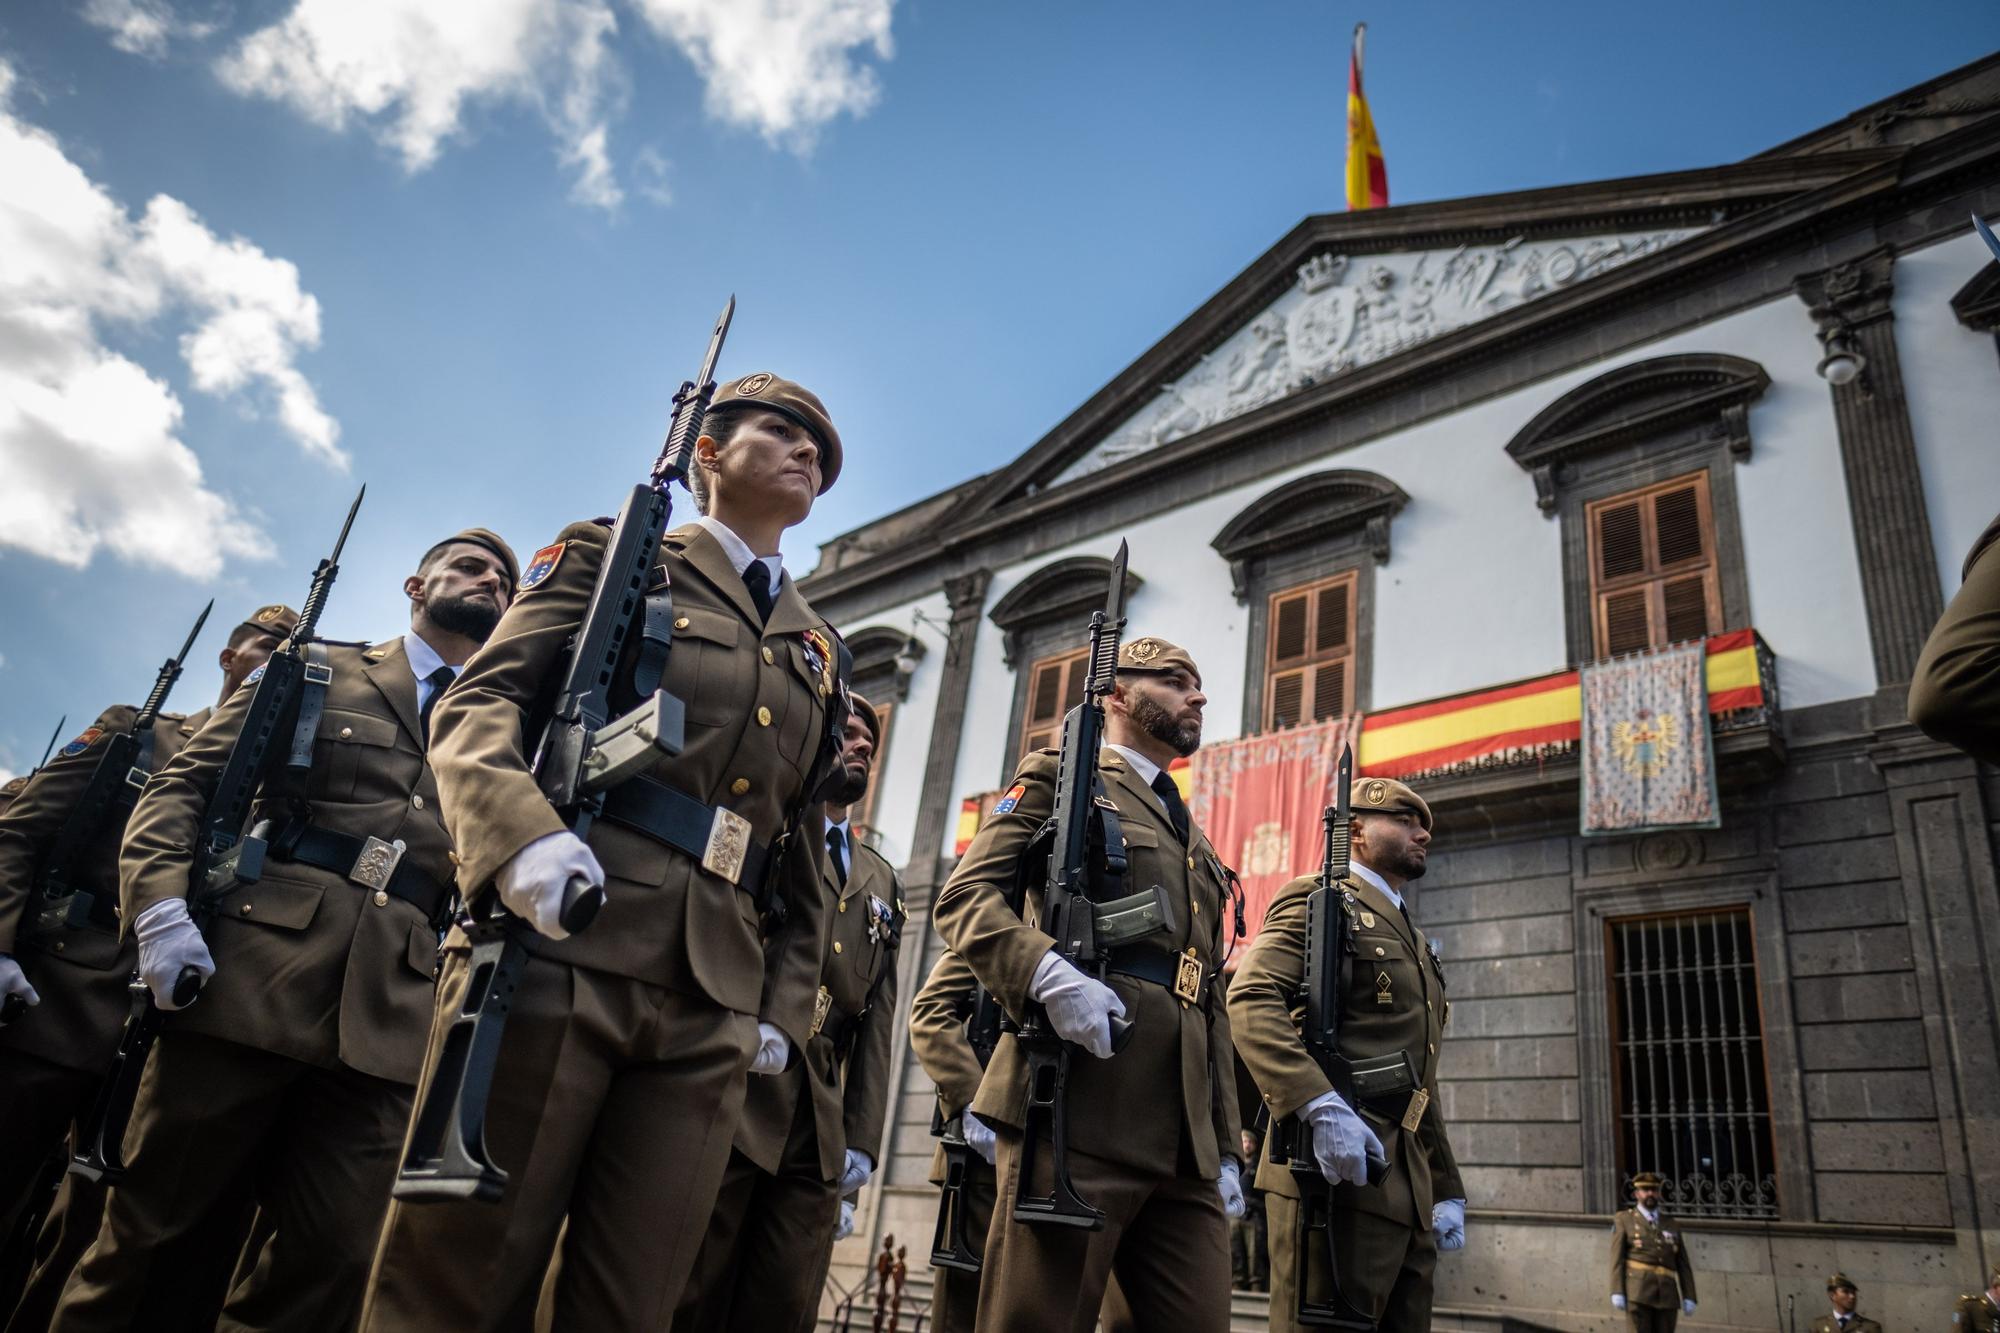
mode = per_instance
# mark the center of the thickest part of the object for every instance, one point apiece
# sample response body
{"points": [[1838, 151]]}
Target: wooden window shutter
{"points": [[1652, 567], [1308, 663], [1055, 685]]}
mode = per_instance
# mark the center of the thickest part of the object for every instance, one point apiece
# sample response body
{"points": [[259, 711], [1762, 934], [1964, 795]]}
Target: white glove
{"points": [[845, 1227], [774, 1051], [1341, 1139], [860, 1166], [979, 1137], [1448, 1223], [13, 981], [1080, 1007], [1687, 1307], [169, 944], [1230, 1186], [1618, 1301], [533, 882]]}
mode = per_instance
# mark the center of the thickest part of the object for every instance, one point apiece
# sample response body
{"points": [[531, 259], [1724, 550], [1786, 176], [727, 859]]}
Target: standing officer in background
{"points": [[53, 1059], [295, 1068], [620, 1085], [1840, 1290], [1652, 1279], [1153, 1130], [806, 1140], [1386, 1237], [1980, 1313]]}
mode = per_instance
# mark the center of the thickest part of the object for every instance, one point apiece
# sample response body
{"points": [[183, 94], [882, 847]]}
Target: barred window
{"points": [[1693, 1097], [1652, 567], [1309, 662], [1055, 685]]}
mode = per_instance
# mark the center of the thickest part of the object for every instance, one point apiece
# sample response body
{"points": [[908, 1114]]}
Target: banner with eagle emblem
{"points": [[1648, 759]]}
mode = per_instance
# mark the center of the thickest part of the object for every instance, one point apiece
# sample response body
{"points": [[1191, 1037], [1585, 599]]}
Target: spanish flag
{"points": [[1367, 176]]}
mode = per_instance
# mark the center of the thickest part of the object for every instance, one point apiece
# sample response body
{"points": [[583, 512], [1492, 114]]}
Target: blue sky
{"points": [[954, 221]]}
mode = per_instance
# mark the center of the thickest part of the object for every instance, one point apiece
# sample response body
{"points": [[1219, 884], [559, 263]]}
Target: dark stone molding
{"points": [[1636, 404], [1066, 591], [875, 649], [1327, 507], [1850, 303], [966, 596], [1977, 303]]}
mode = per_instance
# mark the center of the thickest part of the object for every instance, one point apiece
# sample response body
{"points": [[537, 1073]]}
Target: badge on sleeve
{"points": [[82, 742], [1011, 799], [542, 564], [255, 676]]}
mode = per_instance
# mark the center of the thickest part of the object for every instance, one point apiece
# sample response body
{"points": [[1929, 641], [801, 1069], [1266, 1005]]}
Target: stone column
{"points": [[966, 596], [1885, 494]]}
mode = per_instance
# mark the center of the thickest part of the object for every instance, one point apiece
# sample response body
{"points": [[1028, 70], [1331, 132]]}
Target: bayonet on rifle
{"points": [[50, 748]]}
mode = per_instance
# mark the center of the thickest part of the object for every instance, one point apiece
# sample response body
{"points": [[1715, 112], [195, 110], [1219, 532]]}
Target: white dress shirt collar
{"points": [[1142, 768], [739, 552], [1365, 873]]}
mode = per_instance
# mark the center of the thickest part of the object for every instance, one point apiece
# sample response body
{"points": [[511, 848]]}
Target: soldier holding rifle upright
{"points": [[1122, 1158], [1363, 1116], [295, 1067], [701, 730]]}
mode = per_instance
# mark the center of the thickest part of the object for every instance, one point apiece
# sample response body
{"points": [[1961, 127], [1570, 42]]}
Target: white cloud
{"points": [[780, 67], [649, 170], [141, 27], [90, 454], [409, 70]]}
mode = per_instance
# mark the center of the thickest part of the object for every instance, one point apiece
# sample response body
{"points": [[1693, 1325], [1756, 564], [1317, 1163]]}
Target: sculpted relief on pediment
{"points": [[1342, 313]]}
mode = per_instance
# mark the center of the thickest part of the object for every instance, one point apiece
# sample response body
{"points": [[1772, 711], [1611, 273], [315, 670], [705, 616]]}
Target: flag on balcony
{"points": [[1259, 799], [1367, 174], [1648, 758]]}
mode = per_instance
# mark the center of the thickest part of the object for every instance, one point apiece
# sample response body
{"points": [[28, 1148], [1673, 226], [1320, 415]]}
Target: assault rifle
{"points": [[583, 754], [1330, 945], [950, 1245], [289, 693]]}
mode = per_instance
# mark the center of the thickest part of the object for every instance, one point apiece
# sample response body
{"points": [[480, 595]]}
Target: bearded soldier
{"points": [[1652, 1278]]}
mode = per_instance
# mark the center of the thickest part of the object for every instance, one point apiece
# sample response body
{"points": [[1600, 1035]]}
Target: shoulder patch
{"points": [[542, 564], [255, 676], [83, 741], [1011, 799]]}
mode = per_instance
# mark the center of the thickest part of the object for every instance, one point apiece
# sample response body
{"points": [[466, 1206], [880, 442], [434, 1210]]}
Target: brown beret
{"points": [[1645, 1180], [1151, 656], [276, 620], [765, 390], [866, 712], [1841, 1280], [1383, 796], [489, 541]]}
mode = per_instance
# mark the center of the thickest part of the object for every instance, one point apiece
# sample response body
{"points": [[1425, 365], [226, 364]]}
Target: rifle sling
{"points": [[656, 640], [680, 822], [312, 706], [338, 852]]}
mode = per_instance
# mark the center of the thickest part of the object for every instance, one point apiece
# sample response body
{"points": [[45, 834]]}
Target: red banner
{"points": [[1260, 801]]}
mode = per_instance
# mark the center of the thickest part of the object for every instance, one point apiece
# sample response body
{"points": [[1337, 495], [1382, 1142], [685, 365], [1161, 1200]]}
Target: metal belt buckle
{"points": [[1414, 1114], [822, 1006], [319, 673], [376, 865], [728, 844], [1187, 977]]}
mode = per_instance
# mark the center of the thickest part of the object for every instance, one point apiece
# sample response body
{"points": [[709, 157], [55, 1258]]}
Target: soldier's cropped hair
{"points": [[720, 427]]}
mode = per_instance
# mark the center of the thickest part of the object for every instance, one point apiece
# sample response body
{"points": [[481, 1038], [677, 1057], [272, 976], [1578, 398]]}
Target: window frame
{"points": [[1653, 579], [1071, 660], [1314, 659]]}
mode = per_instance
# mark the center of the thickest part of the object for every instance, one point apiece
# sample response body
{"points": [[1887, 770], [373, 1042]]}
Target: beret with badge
{"points": [[766, 392], [487, 540], [866, 712], [1149, 655], [276, 620], [1837, 1281], [1647, 1180], [1386, 796]]}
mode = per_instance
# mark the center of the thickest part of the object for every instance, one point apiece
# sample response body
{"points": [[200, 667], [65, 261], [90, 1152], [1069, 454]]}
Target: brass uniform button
{"points": [[843, 907], [763, 716], [769, 657], [452, 856], [347, 733], [1434, 1049], [738, 787], [245, 909], [59, 946], [417, 801], [680, 622], [1195, 903], [836, 943], [1190, 863], [381, 897], [1380, 951]]}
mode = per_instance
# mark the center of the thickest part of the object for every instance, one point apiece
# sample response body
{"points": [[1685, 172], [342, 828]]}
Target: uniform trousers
{"points": [[613, 1105], [38, 1101], [1386, 1267], [316, 1147], [1165, 1238], [955, 1294], [760, 1265], [1653, 1318]]}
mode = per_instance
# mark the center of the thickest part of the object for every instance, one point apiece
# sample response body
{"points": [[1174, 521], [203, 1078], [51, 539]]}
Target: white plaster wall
{"points": [[899, 771], [1952, 378]]}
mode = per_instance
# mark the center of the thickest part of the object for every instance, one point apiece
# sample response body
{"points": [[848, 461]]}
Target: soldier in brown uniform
{"points": [[810, 1133], [1979, 1313], [295, 1069], [1652, 1278], [1387, 1236], [51, 1061], [1844, 1295], [1153, 1130], [620, 1085], [1955, 690]]}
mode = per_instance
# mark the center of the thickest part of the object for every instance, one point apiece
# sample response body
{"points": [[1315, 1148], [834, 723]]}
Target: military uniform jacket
{"points": [[756, 717], [846, 1067], [1955, 686], [308, 963], [1975, 1314], [1266, 1011], [1856, 1323], [1124, 1109], [937, 1034], [80, 971], [1649, 1260]]}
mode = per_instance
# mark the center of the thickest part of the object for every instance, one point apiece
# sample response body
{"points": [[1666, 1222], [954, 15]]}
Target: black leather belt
{"points": [[343, 854], [682, 823], [1179, 973]]}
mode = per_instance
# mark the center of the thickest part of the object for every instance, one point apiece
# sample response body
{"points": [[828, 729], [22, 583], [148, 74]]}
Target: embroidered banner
{"points": [[1648, 759], [1259, 799]]}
